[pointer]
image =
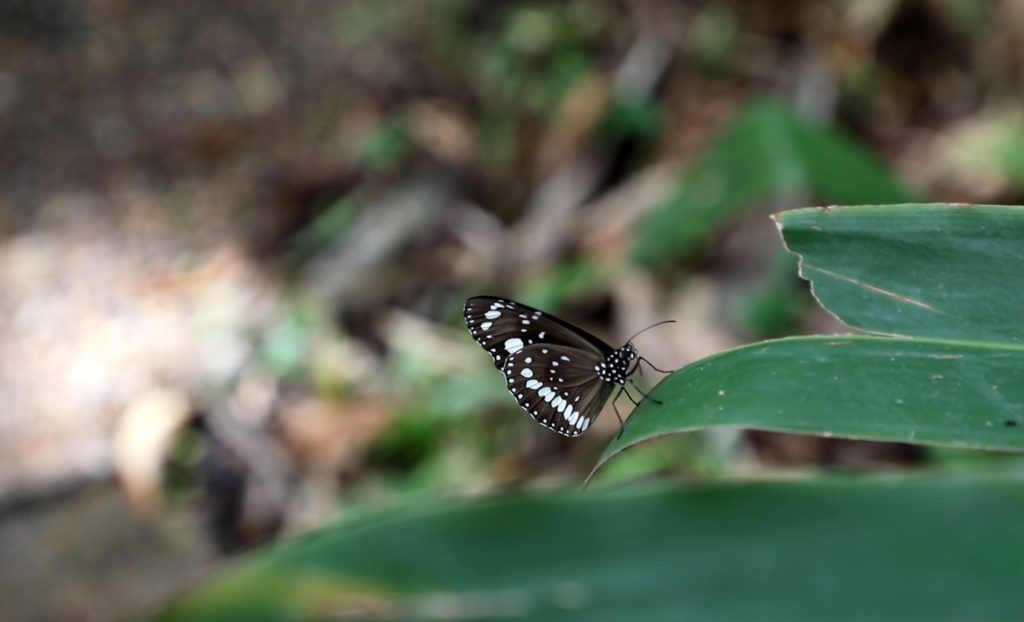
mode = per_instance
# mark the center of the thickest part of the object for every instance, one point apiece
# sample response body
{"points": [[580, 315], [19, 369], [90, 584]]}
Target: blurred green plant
{"points": [[766, 149], [631, 116], [774, 304], [788, 551], [539, 51], [384, 145], [406, 443]]}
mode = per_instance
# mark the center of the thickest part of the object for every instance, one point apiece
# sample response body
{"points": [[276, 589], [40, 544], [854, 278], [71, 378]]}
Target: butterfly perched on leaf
{"points": [[560, 374]]}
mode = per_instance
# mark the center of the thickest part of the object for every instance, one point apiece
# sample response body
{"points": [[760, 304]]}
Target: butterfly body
{"points": [[559, 374]]}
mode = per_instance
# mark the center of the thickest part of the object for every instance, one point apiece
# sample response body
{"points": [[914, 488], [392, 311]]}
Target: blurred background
{"points": [[236, 240]]}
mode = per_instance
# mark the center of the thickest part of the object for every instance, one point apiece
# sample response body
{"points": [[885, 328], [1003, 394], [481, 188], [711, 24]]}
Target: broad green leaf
{"points": [[913, 390], [953, 275], [766, 149], [933, 270], [883, 550]]}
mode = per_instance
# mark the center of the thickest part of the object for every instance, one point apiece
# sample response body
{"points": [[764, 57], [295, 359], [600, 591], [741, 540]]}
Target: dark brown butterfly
{"points": [[560, 374]]}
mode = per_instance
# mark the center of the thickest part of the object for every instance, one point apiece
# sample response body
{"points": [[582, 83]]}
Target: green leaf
{"points": [[950, 274], [913, 390], [883, 550], [933, 270], [765, 150]]}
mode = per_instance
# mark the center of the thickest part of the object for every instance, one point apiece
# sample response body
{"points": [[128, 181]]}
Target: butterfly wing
{"points": [[558, 386], [503, 327]]}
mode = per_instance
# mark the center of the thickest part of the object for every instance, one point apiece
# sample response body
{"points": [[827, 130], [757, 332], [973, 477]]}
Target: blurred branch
{"points": [[554, 208], [352, 266]]}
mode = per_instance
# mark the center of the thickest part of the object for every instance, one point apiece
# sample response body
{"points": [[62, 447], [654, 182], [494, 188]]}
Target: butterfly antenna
{"points": [[652, 366], [649, 328]]}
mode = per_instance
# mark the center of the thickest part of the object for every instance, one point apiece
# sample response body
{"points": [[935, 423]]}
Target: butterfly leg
{"points": [[622, 425], [646, 397], [629, 395]]}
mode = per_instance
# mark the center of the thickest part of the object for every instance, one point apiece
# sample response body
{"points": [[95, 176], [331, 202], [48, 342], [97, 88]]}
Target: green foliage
{"points": [[947, 275], [934, 270], [766, 149], [632, 116], [407, 442], [537, 53], [828, 550], [916, 391]]}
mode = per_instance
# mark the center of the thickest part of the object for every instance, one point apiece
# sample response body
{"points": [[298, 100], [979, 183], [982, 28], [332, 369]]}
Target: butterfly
{"points": [[560, 374]]}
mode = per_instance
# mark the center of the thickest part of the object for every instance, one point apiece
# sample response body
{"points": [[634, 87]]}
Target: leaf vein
{"points": [[874, 288]]}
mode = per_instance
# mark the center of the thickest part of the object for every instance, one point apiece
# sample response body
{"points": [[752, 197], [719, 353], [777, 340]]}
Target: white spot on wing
{"points": [[526, 373], [546, 391], [513, 345], [492, 314], [486, 326], [534, 384]]}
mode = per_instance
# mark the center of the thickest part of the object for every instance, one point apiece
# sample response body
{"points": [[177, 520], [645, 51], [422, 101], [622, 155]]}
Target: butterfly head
{"points": [[629, 351]]}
